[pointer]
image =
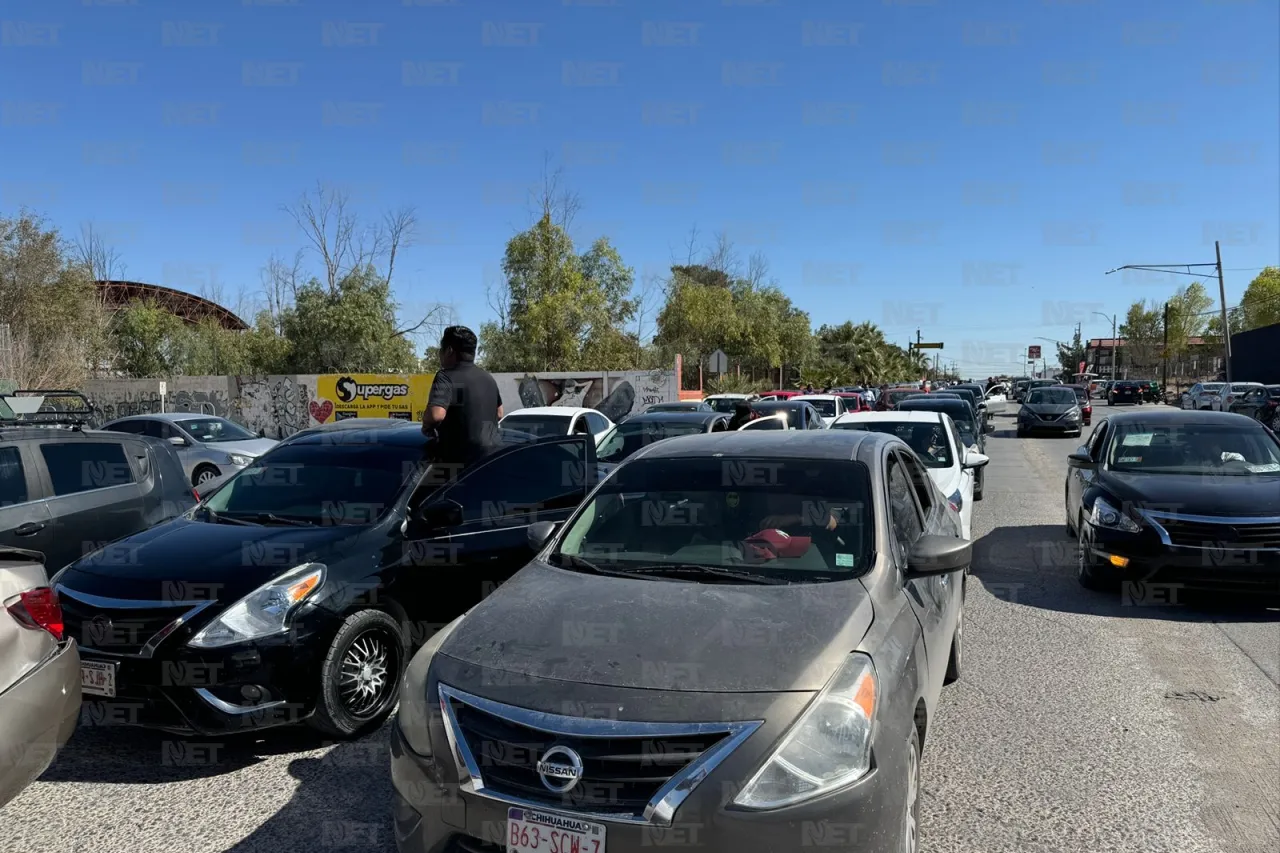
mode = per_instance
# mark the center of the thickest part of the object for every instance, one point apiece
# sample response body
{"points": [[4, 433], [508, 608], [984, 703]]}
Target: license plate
{"points": [[98, 678], [533, 831]]}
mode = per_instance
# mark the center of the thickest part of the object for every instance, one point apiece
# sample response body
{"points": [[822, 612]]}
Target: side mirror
{"points": [[178, 441], [937, 555], [439, 515], [975, 460], [539, 533], [1081, 461]]}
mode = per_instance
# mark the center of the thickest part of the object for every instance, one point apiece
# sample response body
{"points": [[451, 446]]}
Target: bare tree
{"points": [[553, 199], [100, 259], [723, 256], [757, 270], [331, 228], [280, 282], [399, 228]]}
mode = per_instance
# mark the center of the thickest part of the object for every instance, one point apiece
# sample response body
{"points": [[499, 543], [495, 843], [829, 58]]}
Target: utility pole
{"points": [[1164, 367], [1222, 292], [1226, 328]]}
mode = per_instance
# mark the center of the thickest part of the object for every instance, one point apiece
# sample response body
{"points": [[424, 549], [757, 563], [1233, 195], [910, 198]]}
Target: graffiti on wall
{"points": [[614, 396], [204, 402], [275, 405]]}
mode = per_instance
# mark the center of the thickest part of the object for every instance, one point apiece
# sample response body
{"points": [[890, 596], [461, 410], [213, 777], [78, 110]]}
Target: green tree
{"points": [[1188, 317], [348, 328], [1260, 305], [1070, 355], [1142, 331], [559, 310], [55, 327], [149, 341]]}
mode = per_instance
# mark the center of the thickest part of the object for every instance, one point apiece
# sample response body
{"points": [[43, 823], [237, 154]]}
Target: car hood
{"points": [[664, 635], [1196, 494], [249, 447], [229, 559]]}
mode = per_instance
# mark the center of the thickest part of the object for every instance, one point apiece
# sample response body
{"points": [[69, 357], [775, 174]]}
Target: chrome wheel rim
{"points": [[205, 476], [366, 677], [911, 828]]}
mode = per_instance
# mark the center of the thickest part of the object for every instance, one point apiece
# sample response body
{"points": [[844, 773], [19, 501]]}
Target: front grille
{"points": [[637, 772], [120, 631], [1242, 535], [620, 775]]}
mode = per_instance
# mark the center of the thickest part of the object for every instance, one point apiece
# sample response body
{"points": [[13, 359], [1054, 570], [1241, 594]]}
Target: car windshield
{"points": [[799, 520], [675, 407], [326, 483], [625, 439], [1242, 387], [1081, 393], [540, 425], [724, 405], [215, 429], [929, 441], [1052, 397], [826, 408], [1212, 387], [1194, 448]]}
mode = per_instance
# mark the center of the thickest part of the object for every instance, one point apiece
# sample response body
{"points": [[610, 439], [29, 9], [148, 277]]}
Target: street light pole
{"points": [[1115, 349]]}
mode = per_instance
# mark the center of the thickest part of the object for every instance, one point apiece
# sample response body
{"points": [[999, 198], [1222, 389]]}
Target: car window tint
{"points": [[1097, 440], [13, 479], [597, 422], [906, 517], [133, 427], [535, 477], [83, 466], [920, 480]]}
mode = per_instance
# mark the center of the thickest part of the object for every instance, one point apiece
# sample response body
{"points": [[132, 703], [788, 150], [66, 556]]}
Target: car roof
{"points": [[808, 397], [1182, 416], [553, 411], [921, 417], [778, 405], [167, 416], [63, 432], [675, 417], [929, 401], [807, 444], [363, 430], [727, 397]]}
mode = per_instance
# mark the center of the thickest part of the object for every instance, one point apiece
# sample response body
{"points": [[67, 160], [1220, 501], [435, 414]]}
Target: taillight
{"points": [[38, 609], [197, 494]]}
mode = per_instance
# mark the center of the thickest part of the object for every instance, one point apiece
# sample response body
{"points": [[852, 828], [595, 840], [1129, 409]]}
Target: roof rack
{"points": [[45, 407]]}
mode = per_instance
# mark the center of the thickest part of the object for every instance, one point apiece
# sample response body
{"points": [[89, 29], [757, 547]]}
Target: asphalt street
{"points": [[1084, 722]]}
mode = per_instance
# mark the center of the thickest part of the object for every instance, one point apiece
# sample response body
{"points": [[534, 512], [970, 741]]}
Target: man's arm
{"points": [[438, 401]]}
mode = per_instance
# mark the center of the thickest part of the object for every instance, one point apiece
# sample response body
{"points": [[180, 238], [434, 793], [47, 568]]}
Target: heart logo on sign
{"points": [[321, 411]]}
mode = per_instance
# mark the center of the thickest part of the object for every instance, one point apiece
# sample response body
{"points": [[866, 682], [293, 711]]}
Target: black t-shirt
{"points": [[470, 397]]}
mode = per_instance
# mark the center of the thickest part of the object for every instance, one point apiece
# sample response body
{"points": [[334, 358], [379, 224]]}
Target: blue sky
{"points": [[967, 168]]}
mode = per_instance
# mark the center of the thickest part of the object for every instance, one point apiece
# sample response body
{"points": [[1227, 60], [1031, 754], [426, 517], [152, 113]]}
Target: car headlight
{"points": [[1105, 515], [1074, 414], [827, 748], [265, 611], [240, 459], [416, 708], [956, 500]]}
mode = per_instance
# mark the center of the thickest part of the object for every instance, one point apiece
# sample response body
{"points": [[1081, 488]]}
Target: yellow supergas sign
{"points": [[370, 395]]}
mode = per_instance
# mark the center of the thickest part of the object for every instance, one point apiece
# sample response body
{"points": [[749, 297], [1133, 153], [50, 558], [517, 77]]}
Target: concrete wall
{"points": [[282, 405]]}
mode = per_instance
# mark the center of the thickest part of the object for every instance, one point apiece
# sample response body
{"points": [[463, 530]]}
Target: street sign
{"points": [[718, 362], [1033, 352], [164, 388], [929, 346]]}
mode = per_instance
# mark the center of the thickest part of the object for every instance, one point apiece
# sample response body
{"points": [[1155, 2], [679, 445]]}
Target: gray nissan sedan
{"points": [[736, 643]]}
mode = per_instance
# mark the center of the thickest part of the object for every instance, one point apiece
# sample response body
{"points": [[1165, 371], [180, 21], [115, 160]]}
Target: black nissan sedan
{"points": [[737, 636], [646, 428], [1178, 498], [297, 589]]}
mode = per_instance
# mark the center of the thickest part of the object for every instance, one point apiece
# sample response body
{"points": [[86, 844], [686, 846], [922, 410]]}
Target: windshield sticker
{"points": [[1138, 439], [1127, 459], [731, 500], [1269, 468], [844, 560]]}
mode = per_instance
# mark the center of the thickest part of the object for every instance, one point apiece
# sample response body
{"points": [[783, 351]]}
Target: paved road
{"points": [[1083, 724]]}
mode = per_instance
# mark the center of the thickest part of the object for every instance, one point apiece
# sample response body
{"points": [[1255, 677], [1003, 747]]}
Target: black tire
{"points": [[1089, 572], [368, 636], [978, 482], [911, 810], [1021, 433], [204, 473], [1066, 505], [955, 661]]}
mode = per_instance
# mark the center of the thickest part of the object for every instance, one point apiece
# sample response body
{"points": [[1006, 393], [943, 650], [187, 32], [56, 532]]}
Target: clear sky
{"points": [[969, 168]]}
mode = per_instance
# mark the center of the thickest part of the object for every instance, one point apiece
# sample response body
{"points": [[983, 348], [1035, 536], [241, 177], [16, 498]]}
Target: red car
{"points": [[854, 402], [1086, 406]]}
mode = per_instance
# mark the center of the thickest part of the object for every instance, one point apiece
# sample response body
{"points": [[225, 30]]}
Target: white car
{"points": [[1236, 394], [936, 441], [1203, 395], [828, 405], [543, 421]]}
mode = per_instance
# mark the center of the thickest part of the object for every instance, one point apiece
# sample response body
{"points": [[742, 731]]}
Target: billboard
{"points": [[370, 395], [1033, 352]]}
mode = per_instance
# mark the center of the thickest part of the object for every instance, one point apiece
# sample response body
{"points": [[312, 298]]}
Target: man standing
{"points": [[464, 405]]}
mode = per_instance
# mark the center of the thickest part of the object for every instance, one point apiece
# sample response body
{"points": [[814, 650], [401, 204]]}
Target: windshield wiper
{"points": [[222, 519], [679, 569], [271, 518], [583, 563]]}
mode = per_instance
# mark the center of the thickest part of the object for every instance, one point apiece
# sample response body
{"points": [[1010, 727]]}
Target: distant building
{"points": [[188, 307], [1202, 357]]}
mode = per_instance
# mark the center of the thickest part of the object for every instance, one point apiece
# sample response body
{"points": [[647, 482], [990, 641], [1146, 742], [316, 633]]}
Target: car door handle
{"points": [[31, 528]]}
